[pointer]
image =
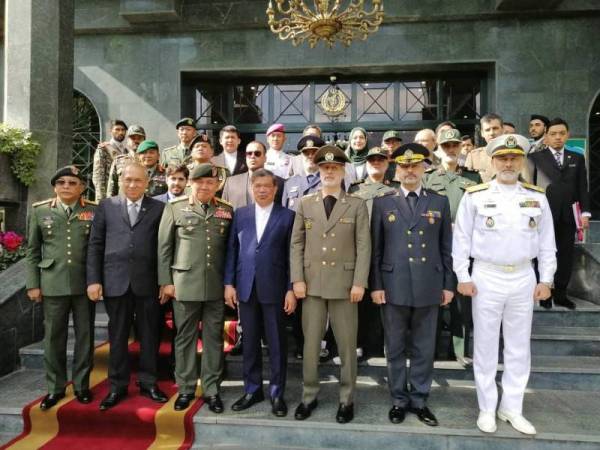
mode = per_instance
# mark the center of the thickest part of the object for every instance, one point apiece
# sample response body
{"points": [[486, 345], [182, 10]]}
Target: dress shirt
{"points": [[138, 204], [416, 191], [261, 217], [230, 160], [279, 163]]}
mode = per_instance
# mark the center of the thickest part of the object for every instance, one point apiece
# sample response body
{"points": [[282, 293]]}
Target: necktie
{"points": [[558, 158], [69, 211], [412, 198], [204, 207], [133, 213], [329, 202]]}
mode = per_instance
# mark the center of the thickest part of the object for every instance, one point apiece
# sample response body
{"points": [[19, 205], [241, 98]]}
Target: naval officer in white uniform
{"points": [[503, 225]]}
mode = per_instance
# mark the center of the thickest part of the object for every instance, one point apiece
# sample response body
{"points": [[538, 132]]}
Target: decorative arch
{"points": [[594, 155], [86, 135]]}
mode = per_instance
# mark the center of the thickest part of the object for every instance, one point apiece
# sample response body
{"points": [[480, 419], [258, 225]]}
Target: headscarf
{"points": [[358, 157]]}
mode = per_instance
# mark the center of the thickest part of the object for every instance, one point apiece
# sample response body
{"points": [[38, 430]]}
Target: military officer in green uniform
{"points": [[192, 242], [148, 154], [180, 153], [135, 136], [329, 266], [56, 258]]}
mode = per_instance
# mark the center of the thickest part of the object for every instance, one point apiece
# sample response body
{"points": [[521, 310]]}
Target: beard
{"points": [[508, 176], [449, 159]]}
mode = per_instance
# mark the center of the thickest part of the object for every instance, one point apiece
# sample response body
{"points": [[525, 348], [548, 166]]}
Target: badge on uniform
{"points": [[532, 223], [308, 224], [529, 204], [47, 221], [391, 217], [431, 216], [86, 215], [490, 222], [222, 213]]}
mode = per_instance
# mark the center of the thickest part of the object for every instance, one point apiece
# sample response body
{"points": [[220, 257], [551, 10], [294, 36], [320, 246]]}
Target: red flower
{"points": [[11, 241]]}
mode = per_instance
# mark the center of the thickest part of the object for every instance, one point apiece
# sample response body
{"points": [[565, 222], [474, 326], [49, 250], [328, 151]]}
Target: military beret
{"points": [[276, 127], [310, 141], [540, 117], [147, 145], [205, 170], [391, 134], [451, 135], [410, 153], [136, 130], [186, 121], [377, 152], [330, 154], [508, 144], [67, 171], [200, 138]]}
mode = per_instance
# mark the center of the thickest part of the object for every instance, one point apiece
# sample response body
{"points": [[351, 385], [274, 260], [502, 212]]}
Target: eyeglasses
{"points": [[256, 153], [67, 182]]}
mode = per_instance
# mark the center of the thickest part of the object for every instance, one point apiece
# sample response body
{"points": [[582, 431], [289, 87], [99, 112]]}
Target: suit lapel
{"points": [[340, 207], [422, 205], [143, 210], [547, 164], [123, 207]]}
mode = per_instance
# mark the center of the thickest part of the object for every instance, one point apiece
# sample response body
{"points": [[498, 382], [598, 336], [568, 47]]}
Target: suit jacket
{"points": [[412, 253], [238, 191], [120, 255], [563, 186], [240, 162], [265, 264], [331, 255]]}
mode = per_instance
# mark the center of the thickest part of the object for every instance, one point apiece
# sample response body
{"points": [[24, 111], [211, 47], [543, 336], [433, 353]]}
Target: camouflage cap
{"points": [[67, 171], [147, 145], [451, 135], [377, 152], [136, 130], [391, 134]]}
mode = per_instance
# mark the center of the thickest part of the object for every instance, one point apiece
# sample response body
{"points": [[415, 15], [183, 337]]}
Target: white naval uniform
{"points": [[503, 228], [279, 162]]}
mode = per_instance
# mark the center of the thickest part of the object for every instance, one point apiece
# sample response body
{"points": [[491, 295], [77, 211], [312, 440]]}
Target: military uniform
{"points": [[175, 155], [191, 245], [116, 169], [368, 190], [479, 161], [103, 158], [56, 264], [447, 183], [157, 181]]}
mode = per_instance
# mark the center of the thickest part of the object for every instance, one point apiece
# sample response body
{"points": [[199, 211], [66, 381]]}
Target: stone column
{"points": [[38, 81]]}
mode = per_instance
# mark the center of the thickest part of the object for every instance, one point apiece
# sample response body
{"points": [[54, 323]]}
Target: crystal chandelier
{"points": [[326, 20]]}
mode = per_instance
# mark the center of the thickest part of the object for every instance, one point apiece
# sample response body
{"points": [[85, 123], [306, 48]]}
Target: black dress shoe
{"points": [[278, 407], [112, 399], [50, 400], [84, 396], [425, 415], [214, 403], [345, 413], [303, 411], [247, 400], [546, 304], [154, 394], [397, 414], [564, 301], [183, 401]]}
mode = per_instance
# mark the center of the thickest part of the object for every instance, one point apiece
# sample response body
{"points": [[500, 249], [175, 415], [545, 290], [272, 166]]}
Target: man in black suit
{"points": [[232, 157], [122, 268], [563, 174], [411, 275]]}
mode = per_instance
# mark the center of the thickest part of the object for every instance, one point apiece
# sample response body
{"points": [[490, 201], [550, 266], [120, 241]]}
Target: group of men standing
{"points": [[272, 245]]}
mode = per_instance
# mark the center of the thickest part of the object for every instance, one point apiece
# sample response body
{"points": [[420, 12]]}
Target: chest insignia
{"points": [[490, 222], [222, 213], [532, 223], [529, 204], [391, 217]]}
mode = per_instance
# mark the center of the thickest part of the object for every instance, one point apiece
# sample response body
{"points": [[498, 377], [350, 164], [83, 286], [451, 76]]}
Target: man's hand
{"points": [[467, 289], [447, 297], [290, 303], [230, 296], [35, 295], [378, 297], [299, 289], [585, 222], [541, 292], [102, 145], [167, 292], [356, 294], [94, 292]]}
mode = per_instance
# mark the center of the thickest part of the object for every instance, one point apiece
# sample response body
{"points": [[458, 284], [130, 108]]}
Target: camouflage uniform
{"points": [[103, 158], [176, 155], [118, 164], [157, 184]]}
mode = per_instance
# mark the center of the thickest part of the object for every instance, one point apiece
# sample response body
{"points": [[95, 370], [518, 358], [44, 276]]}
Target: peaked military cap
{"points": [[204, 170], [147, 145], [410, 153], [67, 171], [136, 130], [310, 141], [540, 117], [186, 121], [377, 152], [508, 144], [391, 134], [451, 135], [330, 154]]}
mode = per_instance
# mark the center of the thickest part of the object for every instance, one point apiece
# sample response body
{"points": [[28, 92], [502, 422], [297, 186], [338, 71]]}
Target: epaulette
{"points": [[477, 188], [311, 194], [90, 202], [357, 182], [43, 202], [533, 187], [390, 192], [430, 170], [224, 202], [178, 199]]}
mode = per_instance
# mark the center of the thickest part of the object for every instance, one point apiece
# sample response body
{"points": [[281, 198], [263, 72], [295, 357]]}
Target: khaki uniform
{"points": [[103, 158], [479, 161], [330, 256], [56, 264], [118, 164], [191, 255], [175, 155]]}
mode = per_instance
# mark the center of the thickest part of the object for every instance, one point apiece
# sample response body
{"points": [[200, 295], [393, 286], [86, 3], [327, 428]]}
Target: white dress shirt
{"points": [[230, 160], [261, 216], [279, 162], [560, 153], [406, 191]]}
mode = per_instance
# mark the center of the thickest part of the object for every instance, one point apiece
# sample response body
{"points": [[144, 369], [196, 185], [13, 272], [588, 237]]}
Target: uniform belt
{"points": [[506, 268]]}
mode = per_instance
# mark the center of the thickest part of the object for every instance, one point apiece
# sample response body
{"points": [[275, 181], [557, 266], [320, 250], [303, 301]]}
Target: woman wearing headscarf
{"points": [[357, 151]]}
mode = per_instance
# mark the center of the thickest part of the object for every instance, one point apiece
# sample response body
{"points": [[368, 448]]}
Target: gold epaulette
{"points": [[225, 202], [178, 199], [477, 188], [43, 202], [533, 187]]}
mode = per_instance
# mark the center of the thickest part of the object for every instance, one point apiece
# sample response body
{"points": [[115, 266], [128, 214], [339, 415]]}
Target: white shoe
{"points": [[337, 360], [518, 422], [487, 421]]}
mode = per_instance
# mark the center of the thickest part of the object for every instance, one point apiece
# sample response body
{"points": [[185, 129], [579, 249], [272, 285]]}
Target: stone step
{"points": [[586, 314], [593, 234], [566, 341]]}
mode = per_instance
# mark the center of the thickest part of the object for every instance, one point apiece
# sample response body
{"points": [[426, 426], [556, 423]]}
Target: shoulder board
{"points": [[179, 199], [90, 202], [223, 202], [43, 202], [357, 182], [533, 187], [478, 187], [385, 193], [430, 170]]}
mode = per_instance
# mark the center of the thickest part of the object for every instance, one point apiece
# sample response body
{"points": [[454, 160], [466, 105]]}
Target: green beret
{"points": [[186, 121], [330, 154], [204, 170], [147, 145], [67, 171]]}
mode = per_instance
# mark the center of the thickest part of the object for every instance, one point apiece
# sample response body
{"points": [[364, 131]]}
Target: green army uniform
{"points": [[368, 190], [192, 245], [114, 176], [157, 181], [330, 255], [175, 155], [56, 264]]}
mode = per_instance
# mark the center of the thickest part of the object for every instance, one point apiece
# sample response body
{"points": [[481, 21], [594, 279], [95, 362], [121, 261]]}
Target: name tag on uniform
{"points": [[347, 220], [529, 204], [489, 205]]}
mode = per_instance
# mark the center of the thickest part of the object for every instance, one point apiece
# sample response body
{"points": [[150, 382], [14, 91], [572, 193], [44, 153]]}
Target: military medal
{"points": [[391, 217], [532, 223], [431, 216], [308, 224], [489, 222]]}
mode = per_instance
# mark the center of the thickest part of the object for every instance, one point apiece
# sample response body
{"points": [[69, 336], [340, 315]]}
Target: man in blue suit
{"points": [[257, 279]]}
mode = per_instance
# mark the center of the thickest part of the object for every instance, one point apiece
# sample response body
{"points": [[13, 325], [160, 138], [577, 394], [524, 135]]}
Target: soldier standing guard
{"points": [[135, 136], [148, 154], [192, 242], [180, 153], [58, 235], [503, 225], [104, 156]]}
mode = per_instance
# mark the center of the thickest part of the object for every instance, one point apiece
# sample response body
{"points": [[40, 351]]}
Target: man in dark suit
{"points": [[563, 174], [122, 268], [411, 275], [232, 158], [257, 280]]}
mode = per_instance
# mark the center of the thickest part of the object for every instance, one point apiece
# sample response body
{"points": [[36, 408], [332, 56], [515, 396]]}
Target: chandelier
{"points": [[326, 20]]}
